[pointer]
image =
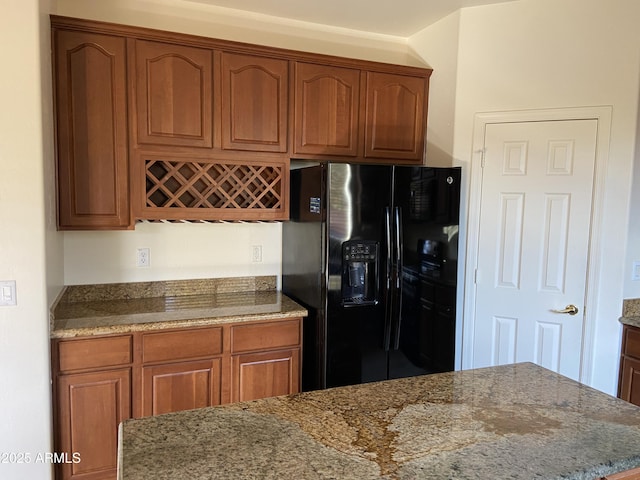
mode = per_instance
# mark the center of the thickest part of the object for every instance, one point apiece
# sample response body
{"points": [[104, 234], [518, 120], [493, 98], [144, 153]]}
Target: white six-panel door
{"points": [[533, 243]]}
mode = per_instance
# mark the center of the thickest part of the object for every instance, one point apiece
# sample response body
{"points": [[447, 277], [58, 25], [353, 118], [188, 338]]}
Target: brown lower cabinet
{"points": [[101, 381], [90, 408], [629, 380]]}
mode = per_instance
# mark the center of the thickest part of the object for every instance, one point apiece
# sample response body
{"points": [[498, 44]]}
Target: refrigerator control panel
{"points": [[359, 273]]}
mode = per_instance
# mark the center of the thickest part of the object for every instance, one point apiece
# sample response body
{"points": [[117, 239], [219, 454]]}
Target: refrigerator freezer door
{"points": [[357, 196]]}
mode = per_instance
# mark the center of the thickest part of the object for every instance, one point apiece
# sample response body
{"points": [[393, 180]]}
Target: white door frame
{"points": [[603, 116]]}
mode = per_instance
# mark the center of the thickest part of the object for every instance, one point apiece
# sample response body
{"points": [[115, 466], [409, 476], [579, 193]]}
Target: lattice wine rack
{"points": [[188, 189]]}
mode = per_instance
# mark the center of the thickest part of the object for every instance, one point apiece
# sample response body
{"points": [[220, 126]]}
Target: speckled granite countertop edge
{"points": [[126, 327], [631, 312], [89, 310]]}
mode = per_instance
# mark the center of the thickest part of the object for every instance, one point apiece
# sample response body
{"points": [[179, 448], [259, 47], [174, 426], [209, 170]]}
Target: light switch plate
{"points": [[256, 253], [635, 271], [7, 293]]}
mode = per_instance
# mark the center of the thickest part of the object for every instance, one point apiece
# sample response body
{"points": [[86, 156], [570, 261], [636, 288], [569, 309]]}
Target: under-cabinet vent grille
{"points": [[202, 185]]}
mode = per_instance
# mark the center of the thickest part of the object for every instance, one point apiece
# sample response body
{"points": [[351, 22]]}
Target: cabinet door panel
{"points": [[327, 103], [254, 103], [395, 116], [631, 341], [90, 94], [174, 94], [180, 386], [261, 375], [90, 408], [630, 380]]}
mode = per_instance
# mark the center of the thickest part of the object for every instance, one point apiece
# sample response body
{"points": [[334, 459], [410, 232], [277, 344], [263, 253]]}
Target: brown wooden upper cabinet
{"points": [[91, 117], [254, 103], [395, 116], [327, 104], [176, 97], [173, 94], [155, 125]]}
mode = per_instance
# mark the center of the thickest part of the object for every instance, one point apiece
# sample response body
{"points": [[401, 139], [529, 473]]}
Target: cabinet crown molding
{"points": [[146, 33]]}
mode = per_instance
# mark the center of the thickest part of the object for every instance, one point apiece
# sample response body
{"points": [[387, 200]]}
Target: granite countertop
{"points": [[631, 312], [120, 308], [514, 421]]}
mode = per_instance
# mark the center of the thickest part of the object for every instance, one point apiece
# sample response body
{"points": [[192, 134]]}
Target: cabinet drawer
{"points": [[180, 345], [265, 336], [95, 352], [632, 342]]}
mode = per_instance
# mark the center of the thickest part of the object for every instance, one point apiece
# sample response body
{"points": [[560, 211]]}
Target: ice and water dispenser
{"points": [[359, 273]]}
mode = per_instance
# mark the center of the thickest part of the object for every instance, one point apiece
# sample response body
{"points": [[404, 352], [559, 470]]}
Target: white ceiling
{"points": [[391, 17]]}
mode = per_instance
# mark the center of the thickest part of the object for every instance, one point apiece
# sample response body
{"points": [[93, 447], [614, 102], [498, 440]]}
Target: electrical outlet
{"points": [[256, 253], [143, 258], [8, 293]]}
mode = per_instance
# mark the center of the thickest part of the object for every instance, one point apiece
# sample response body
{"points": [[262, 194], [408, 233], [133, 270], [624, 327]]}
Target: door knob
{"points": [[570, 309]]}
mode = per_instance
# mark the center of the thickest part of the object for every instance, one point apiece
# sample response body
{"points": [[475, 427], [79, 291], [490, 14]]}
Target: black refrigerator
{"points": [[371, 251]]}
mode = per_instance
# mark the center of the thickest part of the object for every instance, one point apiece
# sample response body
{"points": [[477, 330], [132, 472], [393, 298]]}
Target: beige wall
{"points": [[519, 55], [210, 250], [201, 19], [541, 54], [528, 54], [26, 215], [177, 251], [438, 45]]}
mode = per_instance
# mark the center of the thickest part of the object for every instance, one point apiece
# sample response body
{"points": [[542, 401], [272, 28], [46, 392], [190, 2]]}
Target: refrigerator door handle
{"points": [[397, 317], [386, 342]]}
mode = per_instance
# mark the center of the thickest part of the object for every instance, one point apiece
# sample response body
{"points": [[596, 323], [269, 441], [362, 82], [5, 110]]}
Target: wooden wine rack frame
{"points": [[205, 189]]}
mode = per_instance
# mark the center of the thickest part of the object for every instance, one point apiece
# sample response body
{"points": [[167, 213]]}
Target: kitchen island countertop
{"points": [[514, 421]]}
